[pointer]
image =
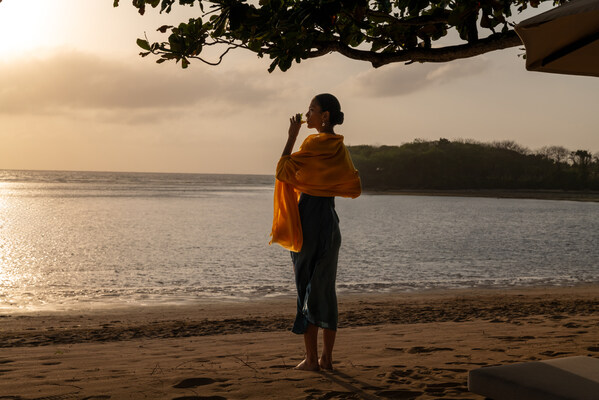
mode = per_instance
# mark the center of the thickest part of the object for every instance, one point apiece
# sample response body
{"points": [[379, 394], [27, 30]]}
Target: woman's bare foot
{"points": [[325, 363], [305, 366]]}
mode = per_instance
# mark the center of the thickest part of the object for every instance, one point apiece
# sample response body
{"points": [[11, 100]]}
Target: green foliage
{"points": [[444, 164], [377, 31]]}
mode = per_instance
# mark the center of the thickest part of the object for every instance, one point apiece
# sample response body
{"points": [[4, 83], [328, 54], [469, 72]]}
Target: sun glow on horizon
{"points": [[25, 26], [76, 95]]}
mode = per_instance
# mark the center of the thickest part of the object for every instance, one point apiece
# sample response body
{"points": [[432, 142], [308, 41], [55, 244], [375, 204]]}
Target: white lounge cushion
{"points": [[570, 378]]}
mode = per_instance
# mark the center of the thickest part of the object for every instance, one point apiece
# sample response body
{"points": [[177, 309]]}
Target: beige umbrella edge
{"points": [[563, 40]]}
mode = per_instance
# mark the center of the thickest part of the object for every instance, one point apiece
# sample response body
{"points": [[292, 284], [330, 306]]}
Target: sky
{"points": [[75, 95]]}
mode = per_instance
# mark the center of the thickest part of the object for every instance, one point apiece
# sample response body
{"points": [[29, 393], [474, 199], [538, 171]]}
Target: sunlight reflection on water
{"points": [[92, 239]]}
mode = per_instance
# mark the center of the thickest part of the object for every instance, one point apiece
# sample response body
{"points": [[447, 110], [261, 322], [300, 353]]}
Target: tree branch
{"points": [[413, 21], [493, 42], [220, 58]]}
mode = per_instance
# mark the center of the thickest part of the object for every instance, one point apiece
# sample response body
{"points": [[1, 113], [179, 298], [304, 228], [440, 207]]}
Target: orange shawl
{"points": [[321, 167]]}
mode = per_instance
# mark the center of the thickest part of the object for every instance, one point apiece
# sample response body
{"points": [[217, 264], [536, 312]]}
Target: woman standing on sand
{"points": [[305, 221]]}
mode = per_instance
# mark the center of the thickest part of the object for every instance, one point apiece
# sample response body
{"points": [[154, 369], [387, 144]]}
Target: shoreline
{"points": [[417, 345], [99, 308], [585, 196], [276, 314]]}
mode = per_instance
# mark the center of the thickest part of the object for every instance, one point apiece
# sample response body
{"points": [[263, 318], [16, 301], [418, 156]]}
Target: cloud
{"points": [[74, 82], [400, 79]]}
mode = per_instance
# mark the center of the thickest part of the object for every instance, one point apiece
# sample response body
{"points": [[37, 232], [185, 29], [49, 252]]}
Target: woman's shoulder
{"points": [[322, 138], [309, 140]]}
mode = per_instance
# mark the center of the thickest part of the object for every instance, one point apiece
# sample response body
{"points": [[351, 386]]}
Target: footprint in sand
{"points": [[466, 363], [451, 369], [443, 385], [442, 389], [368, 367], [398, 394], [280, 366], [513, 338], [193, 382], [330, 395], [404, 373], [315, 391], [395, 348], [420, 349], [399, 376], [550, 353], [571, 325]]}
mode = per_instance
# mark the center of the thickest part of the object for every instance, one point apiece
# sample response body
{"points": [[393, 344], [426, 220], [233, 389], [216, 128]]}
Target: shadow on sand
{"points": [[359, 388]]}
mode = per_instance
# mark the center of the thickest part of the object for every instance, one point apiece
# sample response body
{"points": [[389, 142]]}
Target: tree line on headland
{"points": [[466, 165]]}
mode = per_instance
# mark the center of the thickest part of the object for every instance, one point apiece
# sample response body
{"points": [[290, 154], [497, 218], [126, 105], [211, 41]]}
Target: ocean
{"points": [[93, 240]]}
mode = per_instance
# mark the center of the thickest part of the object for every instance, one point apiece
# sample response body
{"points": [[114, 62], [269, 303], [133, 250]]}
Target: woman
{"points": [[306, 223]]}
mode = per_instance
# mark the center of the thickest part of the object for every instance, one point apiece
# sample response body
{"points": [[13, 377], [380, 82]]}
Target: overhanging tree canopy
{"points": [[376, 31]]}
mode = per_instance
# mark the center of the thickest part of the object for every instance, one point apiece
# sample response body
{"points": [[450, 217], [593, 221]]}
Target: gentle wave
{"points": [[74, 240]]}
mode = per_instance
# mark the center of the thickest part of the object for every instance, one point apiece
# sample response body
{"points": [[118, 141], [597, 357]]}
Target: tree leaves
{"points": [[377, 31], [143, 44], [164, 28]]}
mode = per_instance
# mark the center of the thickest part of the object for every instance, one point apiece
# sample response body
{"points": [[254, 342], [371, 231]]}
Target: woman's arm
{"points": [[295, 124]]}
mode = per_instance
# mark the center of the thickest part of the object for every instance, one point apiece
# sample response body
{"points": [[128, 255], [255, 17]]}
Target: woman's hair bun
{"points": [[328, 102]]}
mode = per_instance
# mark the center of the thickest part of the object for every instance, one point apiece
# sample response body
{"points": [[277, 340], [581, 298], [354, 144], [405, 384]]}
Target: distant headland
{"points": [[470, 168]]}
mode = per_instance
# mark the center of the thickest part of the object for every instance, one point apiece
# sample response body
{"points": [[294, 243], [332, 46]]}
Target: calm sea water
{"points": [[80, 240]]}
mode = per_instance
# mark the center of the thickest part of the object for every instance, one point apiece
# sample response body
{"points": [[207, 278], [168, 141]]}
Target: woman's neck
{"points": [[328, 131]]}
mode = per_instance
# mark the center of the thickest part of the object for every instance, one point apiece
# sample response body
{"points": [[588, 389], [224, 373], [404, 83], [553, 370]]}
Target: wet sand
{"points": [[389, 346]]}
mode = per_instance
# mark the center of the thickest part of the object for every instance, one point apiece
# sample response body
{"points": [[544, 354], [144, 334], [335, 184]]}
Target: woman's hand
{"points": [[295, 123]]}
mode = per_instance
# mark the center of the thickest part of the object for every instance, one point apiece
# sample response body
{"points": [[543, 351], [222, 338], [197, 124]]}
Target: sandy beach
{"points": [[390, 346]]}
